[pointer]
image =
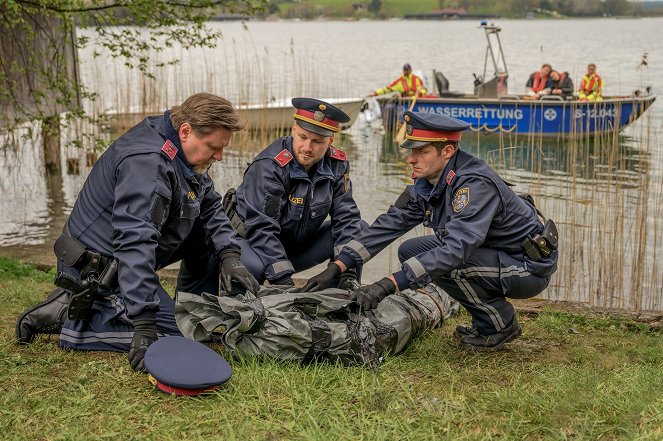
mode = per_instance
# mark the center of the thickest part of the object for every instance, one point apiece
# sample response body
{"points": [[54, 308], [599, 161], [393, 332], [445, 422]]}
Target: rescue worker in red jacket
{"points": [[407, 85], [538, 82], [591, 85]]}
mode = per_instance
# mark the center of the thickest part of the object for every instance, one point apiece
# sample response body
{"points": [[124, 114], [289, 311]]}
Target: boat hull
{"points": [[278, 116], [528, 117], [275, 116]]}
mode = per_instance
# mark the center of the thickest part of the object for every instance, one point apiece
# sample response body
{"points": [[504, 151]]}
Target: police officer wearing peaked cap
{"points": [[147, 202], [288, 191], [489, 243]]}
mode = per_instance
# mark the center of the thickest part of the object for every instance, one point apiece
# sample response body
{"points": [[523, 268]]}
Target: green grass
{"points": [[568, 377]]}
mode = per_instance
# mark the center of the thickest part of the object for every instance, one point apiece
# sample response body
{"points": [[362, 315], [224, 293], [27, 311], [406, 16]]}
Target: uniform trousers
{"points": [[483, 282], [109, 329]]}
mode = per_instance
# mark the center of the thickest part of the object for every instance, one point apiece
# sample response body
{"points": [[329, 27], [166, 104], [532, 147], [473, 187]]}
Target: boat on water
{"points": [[275, 115], [491, 109]]}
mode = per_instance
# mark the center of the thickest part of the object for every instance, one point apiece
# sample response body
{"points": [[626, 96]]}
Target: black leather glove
{"points": [[145, 333], [283, 280], [369, 296], [323, 280], [232, 268]]}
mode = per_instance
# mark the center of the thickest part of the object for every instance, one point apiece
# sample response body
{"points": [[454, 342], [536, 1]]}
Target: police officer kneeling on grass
{"points": [[288, 190], [147, 202], [489, 243]]}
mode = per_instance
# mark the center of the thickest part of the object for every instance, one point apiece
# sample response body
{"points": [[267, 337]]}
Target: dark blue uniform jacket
{"points": [[139, 203], [469, 207], [283, 207]]}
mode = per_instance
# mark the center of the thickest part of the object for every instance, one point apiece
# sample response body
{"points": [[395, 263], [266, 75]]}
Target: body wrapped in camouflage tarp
{"points": [[312, 326]]}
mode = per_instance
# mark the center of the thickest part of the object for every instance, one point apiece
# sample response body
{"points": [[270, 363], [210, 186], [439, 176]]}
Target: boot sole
{"points": [[22, 340], [514, 335]]}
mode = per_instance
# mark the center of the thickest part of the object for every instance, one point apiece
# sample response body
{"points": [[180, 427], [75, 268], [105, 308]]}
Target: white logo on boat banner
{"points": [[483, 113], [550, 114]]}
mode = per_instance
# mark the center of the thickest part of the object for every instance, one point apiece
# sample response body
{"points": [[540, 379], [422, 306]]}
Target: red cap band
{"points": [[433, 135], [308, 116]]}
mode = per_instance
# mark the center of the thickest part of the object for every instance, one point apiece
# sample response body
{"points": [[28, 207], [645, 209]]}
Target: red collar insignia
{"points": [[450, 176], [283, 158], [169, 149], [337, 154]]}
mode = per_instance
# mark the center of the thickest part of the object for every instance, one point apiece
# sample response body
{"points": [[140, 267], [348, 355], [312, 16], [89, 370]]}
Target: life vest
{"points": [[539, 82], [407, 88], [591, 84]]}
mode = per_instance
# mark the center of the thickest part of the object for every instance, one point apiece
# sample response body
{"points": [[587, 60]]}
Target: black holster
{"points": [[540, 245], [97, 271]]}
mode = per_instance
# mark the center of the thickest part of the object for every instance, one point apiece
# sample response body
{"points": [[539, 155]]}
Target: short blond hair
{"points": [[206, 113]]}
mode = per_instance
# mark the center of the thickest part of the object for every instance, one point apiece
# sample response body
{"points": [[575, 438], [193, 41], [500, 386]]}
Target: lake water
{"points": [[606, 196]]}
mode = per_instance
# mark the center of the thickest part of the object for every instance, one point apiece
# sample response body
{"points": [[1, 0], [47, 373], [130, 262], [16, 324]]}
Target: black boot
{"points": [[46, 317], [464, 331], [492, 342]]}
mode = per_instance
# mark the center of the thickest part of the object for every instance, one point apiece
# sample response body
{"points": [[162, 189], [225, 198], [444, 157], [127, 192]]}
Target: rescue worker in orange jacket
{"points": [[407, 85], [591, 85]]}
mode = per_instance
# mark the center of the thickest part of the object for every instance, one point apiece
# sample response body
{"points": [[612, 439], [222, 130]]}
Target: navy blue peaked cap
{"points": [[181, 366], [318, 116], [423, 128]]}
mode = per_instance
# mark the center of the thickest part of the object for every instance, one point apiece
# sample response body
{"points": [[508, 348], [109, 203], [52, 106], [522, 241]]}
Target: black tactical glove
{"points": [[232, 268], [323, 280], [369, 296], [348, 281], [145, 333], [285, 280]]}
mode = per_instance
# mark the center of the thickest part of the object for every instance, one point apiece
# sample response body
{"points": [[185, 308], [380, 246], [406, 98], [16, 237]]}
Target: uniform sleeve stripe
{"points": [[282, 266], [417, 268], [360, 249], [337, 250]]}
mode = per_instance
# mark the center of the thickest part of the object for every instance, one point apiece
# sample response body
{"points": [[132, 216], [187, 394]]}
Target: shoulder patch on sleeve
{"points": [[283, 158], [403, 199], [337, 154], [169, 149], [461, 199]]}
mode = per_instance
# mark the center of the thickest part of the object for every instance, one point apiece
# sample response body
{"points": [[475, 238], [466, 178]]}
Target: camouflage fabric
{"points": [[312, 326]]}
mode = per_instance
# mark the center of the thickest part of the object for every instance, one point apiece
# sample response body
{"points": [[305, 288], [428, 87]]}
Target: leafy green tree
{"points": [[38, 76]]}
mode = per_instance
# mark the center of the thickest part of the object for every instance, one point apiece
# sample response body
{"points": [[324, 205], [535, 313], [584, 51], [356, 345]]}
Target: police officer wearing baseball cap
{"points": [[286, 194], [489, 243]]}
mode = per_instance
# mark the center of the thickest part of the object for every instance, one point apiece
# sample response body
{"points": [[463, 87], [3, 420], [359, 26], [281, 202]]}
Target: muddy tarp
{"points": [[312, 326]]}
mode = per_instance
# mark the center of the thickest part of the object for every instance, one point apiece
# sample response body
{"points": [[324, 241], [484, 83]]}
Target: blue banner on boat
{"points": [[539, 117]]}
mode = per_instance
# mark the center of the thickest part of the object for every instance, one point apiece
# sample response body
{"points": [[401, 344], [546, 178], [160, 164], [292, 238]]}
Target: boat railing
{"points": [[509, 97], [552, 98]]}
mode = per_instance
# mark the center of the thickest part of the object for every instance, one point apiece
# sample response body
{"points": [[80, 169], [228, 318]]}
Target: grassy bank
{"points": [[569, 376]]}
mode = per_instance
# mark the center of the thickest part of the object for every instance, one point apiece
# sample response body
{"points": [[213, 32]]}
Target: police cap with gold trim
{"points": [[318, 116], [422, 129]]}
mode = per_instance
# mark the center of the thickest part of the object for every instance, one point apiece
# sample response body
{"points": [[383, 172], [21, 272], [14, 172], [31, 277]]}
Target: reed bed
{"points": [[605, 194]]}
